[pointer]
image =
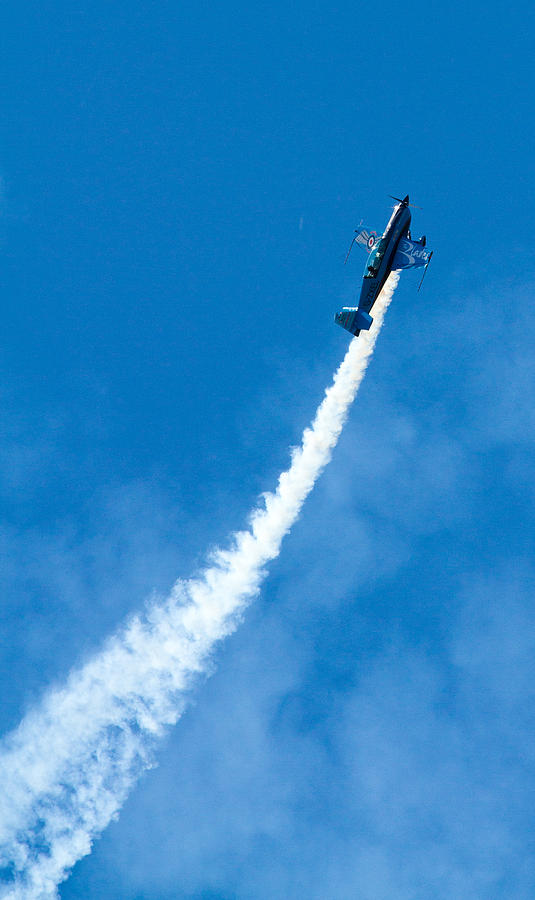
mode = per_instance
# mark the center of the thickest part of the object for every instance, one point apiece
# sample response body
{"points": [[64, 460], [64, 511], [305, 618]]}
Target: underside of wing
{"points": [[366, 237], [410, 255]]}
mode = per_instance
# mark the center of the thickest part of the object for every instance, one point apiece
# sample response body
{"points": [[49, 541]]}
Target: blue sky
{"points": [[180, 186]]}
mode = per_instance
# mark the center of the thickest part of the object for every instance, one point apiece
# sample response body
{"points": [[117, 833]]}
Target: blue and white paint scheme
{"points": [[395, 249]]}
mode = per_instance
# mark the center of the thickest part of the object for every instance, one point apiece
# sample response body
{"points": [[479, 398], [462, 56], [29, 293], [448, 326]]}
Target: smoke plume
{"points": [[68, 767]]}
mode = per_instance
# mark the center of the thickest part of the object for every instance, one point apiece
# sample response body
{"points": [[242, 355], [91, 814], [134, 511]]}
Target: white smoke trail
{"points": [[67, 769]]}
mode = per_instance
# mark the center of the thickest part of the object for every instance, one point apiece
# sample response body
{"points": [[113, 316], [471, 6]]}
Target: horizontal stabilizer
{"points": [[353, 319]]}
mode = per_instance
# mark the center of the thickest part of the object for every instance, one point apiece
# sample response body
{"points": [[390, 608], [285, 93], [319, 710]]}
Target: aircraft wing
{"points": [[410, 255], [366, 237]]}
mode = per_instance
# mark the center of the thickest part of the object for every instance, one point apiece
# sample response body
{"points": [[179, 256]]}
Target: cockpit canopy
{"points": [[375, 259]]}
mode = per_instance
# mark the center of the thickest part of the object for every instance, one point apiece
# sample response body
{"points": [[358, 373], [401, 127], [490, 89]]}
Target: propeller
{"points": [[404, 202]]}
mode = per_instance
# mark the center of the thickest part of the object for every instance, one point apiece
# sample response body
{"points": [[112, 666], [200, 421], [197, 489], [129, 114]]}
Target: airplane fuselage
{"points": [[379, 263], [394, 250]]}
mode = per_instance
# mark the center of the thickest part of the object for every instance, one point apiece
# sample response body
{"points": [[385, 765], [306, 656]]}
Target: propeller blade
{"points": [[413, 205]]}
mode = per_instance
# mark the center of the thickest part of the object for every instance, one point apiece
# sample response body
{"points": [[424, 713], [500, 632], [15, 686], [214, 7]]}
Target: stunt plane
{"points": [[394, 250]]}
